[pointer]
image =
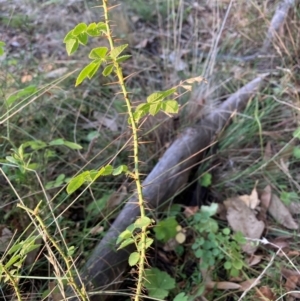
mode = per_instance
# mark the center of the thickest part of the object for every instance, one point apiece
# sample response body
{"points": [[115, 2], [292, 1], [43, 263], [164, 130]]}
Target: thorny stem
{"points": [[141, 202]]}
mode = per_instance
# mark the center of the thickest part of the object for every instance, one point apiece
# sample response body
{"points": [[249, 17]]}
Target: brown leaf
{"points": [[56, 73], [264, 293], [252, 200], [279, 242], [268, 151], [265, 198], [253, 260], [222, 285], [55, 294], [26, 78], [292, 283], [110, 123], [142, 44], [96, 230], [5, 238], [190, 211], [286, 273], [245, 285], [281, 214], [117, 197], [241, 218], [294, 207]]}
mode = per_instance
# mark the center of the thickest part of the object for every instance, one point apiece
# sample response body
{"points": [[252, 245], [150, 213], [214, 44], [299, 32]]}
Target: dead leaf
{"points": [[242, 218], [175, 59], [222, 285], [292, 282], [264, 293], [56, 73], [265, 199], [253, 260], [190, 211], [286, 273], [294, 207], [26, 78], [279, 242], [117, 197], [247, 284], [222, 212], [293, 253], [171, 245], [281, 214], [97, 230], [54, 292], [268, 151], [252, 200], [142, 44], [5, 238], [108, 122]]}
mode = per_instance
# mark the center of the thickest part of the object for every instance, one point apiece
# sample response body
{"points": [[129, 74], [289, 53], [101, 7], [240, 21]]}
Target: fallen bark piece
{"points": [[105, 266], [281, 213]]}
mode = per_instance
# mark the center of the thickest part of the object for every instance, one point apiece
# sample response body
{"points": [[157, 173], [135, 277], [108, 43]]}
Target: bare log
{"points": [[106, 265], [276, 22]]}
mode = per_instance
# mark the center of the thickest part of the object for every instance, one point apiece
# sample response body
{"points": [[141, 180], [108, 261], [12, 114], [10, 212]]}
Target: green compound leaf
{"points": [[166, 229], [71, 46], [69, 36], [69, 144], [168, 92], [148, 243], [170, 106], [83, 38], [227, 265], [58, 141], [79, 28], [296, 133], [75, 183], [142, 222], [108, 70], [98, 53], [124, 235], [296, 152], [72, 145], [126, 242], [123, 58], [205, 180], [181, 297], [117, 51], [107, 170], [87, 71], [158, 283], [140, 111], [211, 209], [119, 170], [134, 258], [95, 30], [155, 108], [155, 97], [2, 44], [226, 231], [237, 264]]}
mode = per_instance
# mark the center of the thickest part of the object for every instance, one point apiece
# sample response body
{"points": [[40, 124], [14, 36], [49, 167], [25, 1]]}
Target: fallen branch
{"points": [[106, 265], [276, 22]]}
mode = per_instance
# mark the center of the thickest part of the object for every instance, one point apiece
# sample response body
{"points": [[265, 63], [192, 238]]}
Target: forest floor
{"points": [[51, 130]]}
